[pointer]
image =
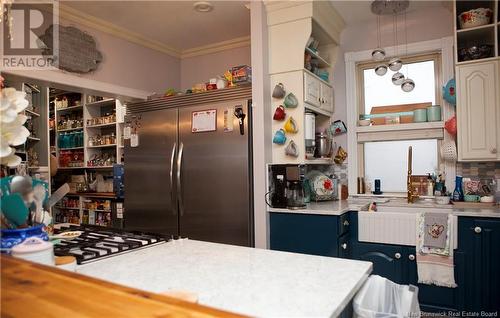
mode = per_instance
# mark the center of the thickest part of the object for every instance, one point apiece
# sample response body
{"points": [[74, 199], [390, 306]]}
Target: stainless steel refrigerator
{"points": [[185, 179]]}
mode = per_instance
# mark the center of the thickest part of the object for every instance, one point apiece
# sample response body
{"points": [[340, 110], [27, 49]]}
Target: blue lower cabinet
{"points": [[387, 259], [479, 241], [304, 233], [435, 298]]}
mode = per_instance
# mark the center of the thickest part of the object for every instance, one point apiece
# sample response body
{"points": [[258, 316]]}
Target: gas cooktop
{"points": [[96, 242]]}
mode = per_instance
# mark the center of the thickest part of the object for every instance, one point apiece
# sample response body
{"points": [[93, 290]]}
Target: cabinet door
{"points": [[387, 260], [312, 90], [302, 233], [434, 298], [477, 111], [326, 98]]}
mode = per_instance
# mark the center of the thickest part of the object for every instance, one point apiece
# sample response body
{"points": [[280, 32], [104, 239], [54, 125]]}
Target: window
{"points": [[387, 161], [383, 154]]}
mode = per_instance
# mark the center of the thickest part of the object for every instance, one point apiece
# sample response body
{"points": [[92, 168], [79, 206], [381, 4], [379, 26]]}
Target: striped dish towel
{"points": [[435, 265]]}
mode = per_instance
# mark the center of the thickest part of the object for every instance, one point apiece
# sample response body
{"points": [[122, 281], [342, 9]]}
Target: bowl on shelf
{"points": [[475, 52], [442, 200], [475, 17], [364, 122]]}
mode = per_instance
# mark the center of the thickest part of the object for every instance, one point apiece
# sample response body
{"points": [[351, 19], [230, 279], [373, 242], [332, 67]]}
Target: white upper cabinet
{"points": [[478, 111], [317, 94], [326, 98], [312, 94]]}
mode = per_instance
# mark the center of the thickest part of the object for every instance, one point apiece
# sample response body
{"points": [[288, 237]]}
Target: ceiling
{"points": [[173, 23], [359, 11]]}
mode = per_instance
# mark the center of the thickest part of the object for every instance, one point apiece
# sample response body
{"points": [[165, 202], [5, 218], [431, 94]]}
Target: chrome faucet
{"points": [[411, 194]]}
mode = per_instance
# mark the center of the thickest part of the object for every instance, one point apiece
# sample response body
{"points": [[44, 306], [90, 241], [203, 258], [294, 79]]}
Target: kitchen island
{"points": [[243, 280]]}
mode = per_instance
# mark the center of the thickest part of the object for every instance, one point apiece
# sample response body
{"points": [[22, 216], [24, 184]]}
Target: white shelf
{"points": [[69, 129], [478, 60], [396, 127], [66, 208], [100, 103], [33, 138], [99, 167], [70, 168], [322, 62], [102, 146], [69, 108], [102, 125], [476, 28]]}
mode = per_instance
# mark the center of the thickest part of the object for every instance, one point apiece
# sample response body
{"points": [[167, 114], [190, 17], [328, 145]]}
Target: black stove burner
{"points": [[96, 242]]}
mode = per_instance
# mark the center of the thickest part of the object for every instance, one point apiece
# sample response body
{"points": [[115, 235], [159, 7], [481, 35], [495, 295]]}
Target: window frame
{"points": [[445, 68], [364, 65]]}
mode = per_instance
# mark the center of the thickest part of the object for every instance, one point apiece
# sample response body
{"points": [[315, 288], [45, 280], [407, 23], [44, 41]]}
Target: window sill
{"points": [[388, 195], [397, 127]]}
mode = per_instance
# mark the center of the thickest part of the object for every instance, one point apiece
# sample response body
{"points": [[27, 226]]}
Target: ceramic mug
{"points": [[291, 149], [279, 91], [279, 137], [279, 113], [291, 126], [291, 101]]}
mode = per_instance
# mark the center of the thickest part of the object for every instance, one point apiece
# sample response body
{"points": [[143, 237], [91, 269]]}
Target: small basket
{"points": [[449, 151]]}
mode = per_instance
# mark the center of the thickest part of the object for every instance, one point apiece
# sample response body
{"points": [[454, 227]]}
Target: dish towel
{"points": [[435, 265]]}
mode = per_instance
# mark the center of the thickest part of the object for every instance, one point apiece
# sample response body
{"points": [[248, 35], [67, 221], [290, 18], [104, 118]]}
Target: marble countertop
{"points": [[358, 204], [243, 280]]}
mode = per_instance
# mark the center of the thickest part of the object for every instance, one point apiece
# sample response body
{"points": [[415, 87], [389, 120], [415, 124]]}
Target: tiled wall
{"points": [[479, 170], [340, 171]]}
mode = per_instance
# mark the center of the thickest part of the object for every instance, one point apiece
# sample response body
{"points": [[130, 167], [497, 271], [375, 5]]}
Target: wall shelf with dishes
{"points": [[476, 31]]}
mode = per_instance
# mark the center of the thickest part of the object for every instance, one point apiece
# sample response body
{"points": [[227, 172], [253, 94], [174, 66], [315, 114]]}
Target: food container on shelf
{"points": [[36, 250], [475, 17], [420, 115], [242, 74], [434, 113]]}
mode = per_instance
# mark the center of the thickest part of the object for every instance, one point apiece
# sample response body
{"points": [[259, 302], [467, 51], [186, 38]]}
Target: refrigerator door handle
{"points": [[174, 206], [179, 183]]}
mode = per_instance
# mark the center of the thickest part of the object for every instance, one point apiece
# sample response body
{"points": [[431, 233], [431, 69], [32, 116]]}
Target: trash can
{"points": [[382, 298]]}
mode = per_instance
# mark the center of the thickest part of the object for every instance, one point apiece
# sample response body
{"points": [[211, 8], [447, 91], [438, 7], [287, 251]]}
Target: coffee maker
{"points": [[286, 183]]}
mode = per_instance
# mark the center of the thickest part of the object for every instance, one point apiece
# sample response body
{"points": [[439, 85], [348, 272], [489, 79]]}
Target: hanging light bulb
{"points": [[378, 54], [381, 70], [398, 78], [408, 85], [395, 64]]}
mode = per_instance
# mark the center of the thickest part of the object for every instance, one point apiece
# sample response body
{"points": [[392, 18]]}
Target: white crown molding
{"points": [[77, 16], [73, 15], [217, 47]]}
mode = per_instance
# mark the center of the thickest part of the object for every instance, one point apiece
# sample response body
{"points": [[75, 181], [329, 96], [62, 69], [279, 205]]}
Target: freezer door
{"points": [[215, 183], [150, 201]]}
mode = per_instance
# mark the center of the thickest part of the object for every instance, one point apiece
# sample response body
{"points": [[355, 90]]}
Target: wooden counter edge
{"points": [[24, 283]]}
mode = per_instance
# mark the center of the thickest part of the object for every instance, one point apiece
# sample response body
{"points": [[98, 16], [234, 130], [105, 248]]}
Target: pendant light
{"points": [[408, 84], [395, 63], [379, 53]]}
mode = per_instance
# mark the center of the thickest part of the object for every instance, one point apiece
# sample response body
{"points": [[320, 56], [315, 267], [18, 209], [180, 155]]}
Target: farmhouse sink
{"points": [[396, 225]]}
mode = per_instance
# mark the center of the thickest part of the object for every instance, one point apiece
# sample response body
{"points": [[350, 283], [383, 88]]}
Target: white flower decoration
{"points": [[12, 130]]}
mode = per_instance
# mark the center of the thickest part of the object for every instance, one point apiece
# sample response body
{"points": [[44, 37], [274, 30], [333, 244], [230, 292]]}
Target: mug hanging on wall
{"points": [[279, 137], [292, 149], [291, 101], [279, 113], [291, 126], [279, 91]]}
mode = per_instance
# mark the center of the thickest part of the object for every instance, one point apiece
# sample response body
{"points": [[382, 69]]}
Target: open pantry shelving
{"points": [[486, 38]]}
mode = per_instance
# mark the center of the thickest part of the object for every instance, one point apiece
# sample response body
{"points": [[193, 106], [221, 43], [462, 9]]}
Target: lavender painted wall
{"points": [[131, 65], [199, 69], [423, 25]]}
